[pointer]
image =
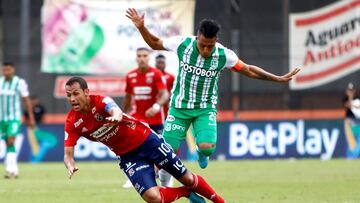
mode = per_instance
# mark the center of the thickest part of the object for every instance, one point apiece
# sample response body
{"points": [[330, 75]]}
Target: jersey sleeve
{"points": [[160, 81], [71, 136], [108, 103], [23, 88], [172, 43], [232, 61]]}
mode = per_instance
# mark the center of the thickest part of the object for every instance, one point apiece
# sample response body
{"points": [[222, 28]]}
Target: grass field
{"points": [[240, 181]]}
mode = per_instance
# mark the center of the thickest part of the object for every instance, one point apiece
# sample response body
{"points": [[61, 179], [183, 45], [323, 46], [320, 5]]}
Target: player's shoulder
{"points": [[182, 38], [155, 71], [19, 79], [169, 75], [225, 51], [221, 46], [132, 73], [97, 99], [71, 117], [185, 40]]}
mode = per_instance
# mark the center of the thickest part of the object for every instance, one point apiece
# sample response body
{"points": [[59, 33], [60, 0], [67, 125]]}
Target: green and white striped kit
{"points": [[196, 82], [10, 99]]}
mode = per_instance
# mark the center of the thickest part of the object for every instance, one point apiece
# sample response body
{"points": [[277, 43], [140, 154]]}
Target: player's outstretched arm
{"points": [[259, 73], [153, 41], [69, 161], [116, 115]]}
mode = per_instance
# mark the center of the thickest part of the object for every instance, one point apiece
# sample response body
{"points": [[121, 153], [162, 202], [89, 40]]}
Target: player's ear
{"points": [[87, 92]]}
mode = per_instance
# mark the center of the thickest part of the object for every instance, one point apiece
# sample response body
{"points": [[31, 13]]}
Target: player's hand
{"points": [[150, 112], [137, 19], [287, 77], [113, 120], [72, 170]]}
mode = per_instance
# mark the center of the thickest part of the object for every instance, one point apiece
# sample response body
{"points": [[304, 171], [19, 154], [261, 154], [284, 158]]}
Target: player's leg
{"points": [[199, 185], [3, 130], [142, 176], [157, 128], [192, 154], [166, 159], [139, 168], [176, 126], [206, 135], [12, 169]]}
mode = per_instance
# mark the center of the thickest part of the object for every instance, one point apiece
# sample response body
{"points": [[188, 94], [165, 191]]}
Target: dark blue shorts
{"points": [[138, 164], [157, 128]]}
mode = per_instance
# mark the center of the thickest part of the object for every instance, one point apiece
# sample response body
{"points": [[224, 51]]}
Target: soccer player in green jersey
{"points": [[12, 88], [194, 95]]}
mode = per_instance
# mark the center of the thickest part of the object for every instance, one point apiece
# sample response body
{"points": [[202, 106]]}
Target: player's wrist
{"points": [[156, 106]]}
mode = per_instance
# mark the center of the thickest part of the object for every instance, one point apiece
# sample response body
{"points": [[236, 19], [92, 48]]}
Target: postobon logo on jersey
{"points": [[197, 71]]}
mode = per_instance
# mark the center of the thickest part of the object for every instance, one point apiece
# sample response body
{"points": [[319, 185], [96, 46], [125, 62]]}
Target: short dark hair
{"points": [[142, 49], [160, 56], [209, 28], [80, 80], [8, 63]]}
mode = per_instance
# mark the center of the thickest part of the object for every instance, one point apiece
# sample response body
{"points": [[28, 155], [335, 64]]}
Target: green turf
{"points": [[306, 181]]}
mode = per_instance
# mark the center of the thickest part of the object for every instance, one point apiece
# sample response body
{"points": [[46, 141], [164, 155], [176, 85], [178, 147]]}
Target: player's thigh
{"points": [[3, 130], [205, 127], [13, 128], [164, 157], [157, 128], [140, 172], [175, 130]]}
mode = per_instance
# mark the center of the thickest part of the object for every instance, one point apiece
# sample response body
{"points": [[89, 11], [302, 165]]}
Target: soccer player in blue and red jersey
{"points": [[160, 64], [99, 119], [146, 89]]}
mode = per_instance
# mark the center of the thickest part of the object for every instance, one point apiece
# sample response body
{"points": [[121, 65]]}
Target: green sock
{"points": [[10, 148]]}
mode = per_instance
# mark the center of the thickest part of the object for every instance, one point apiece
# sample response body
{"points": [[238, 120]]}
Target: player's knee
{"points": [[187, 179], [152, 196], [206, 149], [10, 141]]}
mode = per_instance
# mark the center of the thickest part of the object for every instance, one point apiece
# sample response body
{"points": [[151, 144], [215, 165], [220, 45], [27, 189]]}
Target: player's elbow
{"points": [[156, 44]]}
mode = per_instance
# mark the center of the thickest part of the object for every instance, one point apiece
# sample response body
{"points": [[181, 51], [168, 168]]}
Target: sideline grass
{"points": [[335, 181]]}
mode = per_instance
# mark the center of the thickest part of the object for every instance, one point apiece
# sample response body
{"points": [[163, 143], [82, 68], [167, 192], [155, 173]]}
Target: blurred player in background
{"points": [[99, 119], [12, 89], [39, 110], [351, 103], [194, 96], [160, 64], [146, 89]]}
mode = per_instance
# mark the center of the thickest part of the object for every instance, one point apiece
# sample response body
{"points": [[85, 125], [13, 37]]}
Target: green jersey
{"points": [[10, 98], [196, 83]]}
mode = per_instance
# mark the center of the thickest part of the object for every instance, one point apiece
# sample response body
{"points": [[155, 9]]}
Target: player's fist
{"points": [[113, 120], [153, 110], [137, 19]]}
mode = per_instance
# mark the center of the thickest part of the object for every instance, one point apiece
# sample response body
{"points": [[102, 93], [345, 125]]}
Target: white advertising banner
{"points": [[325, 43], [95, 36]]}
